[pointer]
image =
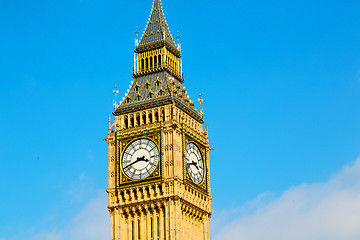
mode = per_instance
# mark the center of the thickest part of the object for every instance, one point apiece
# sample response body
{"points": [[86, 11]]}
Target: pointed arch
{"points": [[150, 117], [156, 116], [163, 114]]}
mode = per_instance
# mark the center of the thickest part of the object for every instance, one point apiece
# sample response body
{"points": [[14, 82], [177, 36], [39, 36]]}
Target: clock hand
{"points": [[195, 164], [139, 159]]}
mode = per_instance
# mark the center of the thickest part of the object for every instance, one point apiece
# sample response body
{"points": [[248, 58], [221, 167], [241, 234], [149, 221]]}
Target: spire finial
{"points": [[156, 24], [200, 100], [178, 37], [116, 92], [178, 41], [137, 36]]}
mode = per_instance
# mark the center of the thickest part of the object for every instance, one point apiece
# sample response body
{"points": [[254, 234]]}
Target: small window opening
{"points": [[159, 58], [132, 121], [157, 83], [139, 229], [144, 118], [147, 85], [138, 120], [161, 92], [156, 117], [137, 88], [151, 228], [158, 227], [150, 118], [132, 230], [151, 95], [126, 122], [138, 97], [163, 114], [122, 196]]}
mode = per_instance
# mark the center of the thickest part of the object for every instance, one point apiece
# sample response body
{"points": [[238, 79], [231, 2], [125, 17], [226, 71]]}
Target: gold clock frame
{"points": [[123, 179], [203, 185]]}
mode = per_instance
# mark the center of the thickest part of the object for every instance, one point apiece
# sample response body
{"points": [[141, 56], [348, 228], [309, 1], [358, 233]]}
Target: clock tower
{"points": [[158, 152]]}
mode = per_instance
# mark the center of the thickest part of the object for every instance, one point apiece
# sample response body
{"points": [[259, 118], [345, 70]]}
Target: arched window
{"points": [[156, 116], [137, 88], [126, 123], [151, 62], [144, 118], [132, 231], [163, 114], [142, 64], [150, 117], [155, 61], [151, 95], [151, 228], [138, 97], [159, 58], [138, 120], [139, 229], [161, 92], [146, 63], [132, 121], [158, 227]]}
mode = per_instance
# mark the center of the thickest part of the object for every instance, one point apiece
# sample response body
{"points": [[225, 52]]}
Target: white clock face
{"points": [[140, 159], [194, 163]]}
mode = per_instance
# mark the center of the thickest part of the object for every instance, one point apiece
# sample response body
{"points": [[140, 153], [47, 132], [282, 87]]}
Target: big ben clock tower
{"points": [[158, 152]]}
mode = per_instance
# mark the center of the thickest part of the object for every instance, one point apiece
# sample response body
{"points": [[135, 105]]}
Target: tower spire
{"points": [[157, 29]]}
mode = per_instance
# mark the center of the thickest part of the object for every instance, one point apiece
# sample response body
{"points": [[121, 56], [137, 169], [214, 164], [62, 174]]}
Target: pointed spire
{"points": [[157, 30]]}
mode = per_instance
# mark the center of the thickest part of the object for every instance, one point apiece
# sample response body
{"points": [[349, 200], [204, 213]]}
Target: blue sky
{"points": [[281, 88]]}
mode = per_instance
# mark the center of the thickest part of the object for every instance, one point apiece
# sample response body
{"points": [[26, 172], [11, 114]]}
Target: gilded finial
{"points": [[200, 100], [178, 41], [115, 91], [137, 36]]}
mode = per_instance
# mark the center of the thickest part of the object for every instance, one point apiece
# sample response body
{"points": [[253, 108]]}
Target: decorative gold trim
{"points": [[188, 139], [155, 175]]}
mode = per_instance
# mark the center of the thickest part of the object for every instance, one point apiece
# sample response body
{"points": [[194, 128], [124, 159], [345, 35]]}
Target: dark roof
{"points": [[154, 89], [157, 30]]}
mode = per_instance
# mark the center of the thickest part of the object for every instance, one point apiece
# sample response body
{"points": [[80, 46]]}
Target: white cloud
{"points": [[321, 211], [91, 223]]}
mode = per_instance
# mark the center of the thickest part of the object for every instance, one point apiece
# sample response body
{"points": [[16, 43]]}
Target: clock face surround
{"points": [[140, 159], [194, 163]]}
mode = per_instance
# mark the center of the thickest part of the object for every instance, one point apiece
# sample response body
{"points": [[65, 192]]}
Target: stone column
{"points": [[112, 220], [161, 223]]}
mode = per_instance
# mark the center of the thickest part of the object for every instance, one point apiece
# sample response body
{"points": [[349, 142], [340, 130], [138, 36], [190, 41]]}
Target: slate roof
{"points": [[157, 30], [156, 89]]}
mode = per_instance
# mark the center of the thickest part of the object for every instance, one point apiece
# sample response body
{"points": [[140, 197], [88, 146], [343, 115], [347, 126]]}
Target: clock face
{"points": [[194, 163], [140, 159]]}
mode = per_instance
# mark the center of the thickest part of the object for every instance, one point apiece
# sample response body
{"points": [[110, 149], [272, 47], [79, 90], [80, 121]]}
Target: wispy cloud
{"points": [[90, 223], [321, 211]]}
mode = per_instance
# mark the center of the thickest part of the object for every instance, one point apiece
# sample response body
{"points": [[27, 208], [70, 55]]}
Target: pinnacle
{"points": [[157, 29]]}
